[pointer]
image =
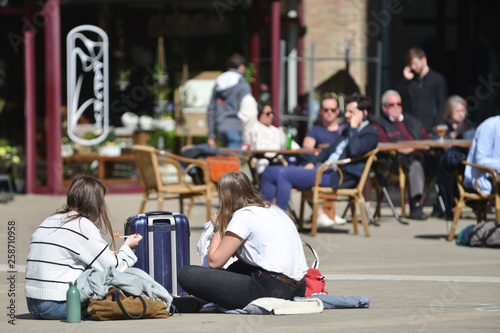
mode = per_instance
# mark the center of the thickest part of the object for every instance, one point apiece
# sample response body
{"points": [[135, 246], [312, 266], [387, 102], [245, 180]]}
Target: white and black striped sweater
{"points": [[58, 254]]}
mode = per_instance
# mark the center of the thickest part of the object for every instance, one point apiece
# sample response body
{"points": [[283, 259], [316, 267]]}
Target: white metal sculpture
{"points": [[87, 60]]}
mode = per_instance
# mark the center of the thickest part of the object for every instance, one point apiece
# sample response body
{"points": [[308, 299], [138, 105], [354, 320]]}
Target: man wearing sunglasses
{"points": [[356, 140], [393, 126], [322, 134], [328, 130]]}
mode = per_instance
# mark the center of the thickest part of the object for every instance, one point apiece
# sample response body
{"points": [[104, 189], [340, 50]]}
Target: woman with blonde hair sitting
{"points": [[459, 127], [271, 260], [455, 116]]}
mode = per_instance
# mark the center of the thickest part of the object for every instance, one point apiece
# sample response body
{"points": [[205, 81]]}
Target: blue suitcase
{"points": [[164, 248]]}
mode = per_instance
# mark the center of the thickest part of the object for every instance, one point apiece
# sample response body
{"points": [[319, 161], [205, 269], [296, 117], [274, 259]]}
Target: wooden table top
{"points": [[264, 151], [424, 144], [382, 146], [89, 158]]}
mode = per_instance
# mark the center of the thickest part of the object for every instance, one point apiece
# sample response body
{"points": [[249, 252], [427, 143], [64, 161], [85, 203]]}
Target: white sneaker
{"points": [[261, 165], [339, 220], [324, 221]]}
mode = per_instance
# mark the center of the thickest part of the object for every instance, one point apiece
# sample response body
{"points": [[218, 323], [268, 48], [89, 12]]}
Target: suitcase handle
{"points": [[158, 212], [173, 240]]}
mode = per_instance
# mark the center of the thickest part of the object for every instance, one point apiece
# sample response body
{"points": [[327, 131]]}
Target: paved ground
{"points": [[416, 280]]}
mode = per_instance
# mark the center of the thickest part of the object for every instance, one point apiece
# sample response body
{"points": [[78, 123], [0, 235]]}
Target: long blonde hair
{"points": [[236, 191]]}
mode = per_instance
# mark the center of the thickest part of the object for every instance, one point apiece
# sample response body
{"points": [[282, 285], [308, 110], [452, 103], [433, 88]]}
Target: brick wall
{"points": [[331, 25]]}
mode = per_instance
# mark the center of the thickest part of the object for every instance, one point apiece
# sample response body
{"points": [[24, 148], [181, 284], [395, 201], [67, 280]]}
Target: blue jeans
{"points": [[231, 139], [55, 310], [42, 309], [278, 181]]}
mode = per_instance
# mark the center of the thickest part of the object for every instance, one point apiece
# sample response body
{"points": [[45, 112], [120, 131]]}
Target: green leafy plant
{"points": [[12, 160], [124, 74], [162, 139], [249, 73]]}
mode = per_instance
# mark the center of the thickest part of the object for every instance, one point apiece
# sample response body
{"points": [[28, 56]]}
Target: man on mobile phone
{"points": [[423, 90], [356, 140]]}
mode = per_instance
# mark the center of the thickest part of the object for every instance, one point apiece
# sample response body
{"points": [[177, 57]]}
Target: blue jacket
{"points": [[360, 143]]}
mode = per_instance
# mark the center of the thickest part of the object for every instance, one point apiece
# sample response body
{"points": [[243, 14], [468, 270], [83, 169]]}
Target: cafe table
{"points": [[253, 152], [393, 147], [423, 144]]}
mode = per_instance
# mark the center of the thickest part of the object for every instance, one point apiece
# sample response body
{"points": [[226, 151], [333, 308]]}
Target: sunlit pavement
{"points": [[416, 280]]}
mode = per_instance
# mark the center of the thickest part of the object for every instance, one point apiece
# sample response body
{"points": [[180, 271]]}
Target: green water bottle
{"points": [[289, 138], [74, 310]]}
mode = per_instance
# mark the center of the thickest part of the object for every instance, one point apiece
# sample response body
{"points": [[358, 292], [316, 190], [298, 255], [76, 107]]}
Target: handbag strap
{"points": [[120, 305], [316, 259]]}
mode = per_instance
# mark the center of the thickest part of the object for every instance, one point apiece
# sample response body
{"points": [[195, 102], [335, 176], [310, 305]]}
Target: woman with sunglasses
{"points": [[264, 135]]}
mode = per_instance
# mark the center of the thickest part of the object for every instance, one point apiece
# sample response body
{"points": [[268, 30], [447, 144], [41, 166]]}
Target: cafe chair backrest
{"points": [[149, 160], [319, 194], [466, 195]]}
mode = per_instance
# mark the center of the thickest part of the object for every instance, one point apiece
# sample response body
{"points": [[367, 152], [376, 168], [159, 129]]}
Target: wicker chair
{"points": [[319, 194], [466, 195], [148, 161]]}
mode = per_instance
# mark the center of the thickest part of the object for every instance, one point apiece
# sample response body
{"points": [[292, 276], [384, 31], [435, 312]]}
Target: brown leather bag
{"points": [[117, 305], [220, 165]]}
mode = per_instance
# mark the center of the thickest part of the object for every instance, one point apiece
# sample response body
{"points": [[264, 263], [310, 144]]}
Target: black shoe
{"points": [[437, 213], [185, 304], [418, 214]]}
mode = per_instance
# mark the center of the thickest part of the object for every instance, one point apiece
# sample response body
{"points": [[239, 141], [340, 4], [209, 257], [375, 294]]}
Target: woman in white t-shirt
{"points": [[265, 240]]}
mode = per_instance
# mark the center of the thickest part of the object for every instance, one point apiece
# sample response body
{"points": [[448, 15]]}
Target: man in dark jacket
{"points": [[423, 90], [356, 140], [393, 126]]}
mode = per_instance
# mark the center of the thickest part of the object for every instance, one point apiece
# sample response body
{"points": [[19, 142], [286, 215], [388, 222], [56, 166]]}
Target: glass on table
{"points": [[442, 129]]}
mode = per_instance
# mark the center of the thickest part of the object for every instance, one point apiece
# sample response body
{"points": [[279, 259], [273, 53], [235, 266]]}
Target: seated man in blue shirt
{"points": [[485, 150], [326, 130], [356, 140]]}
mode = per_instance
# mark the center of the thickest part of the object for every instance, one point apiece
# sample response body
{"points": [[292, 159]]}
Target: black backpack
{"points": [[485, 234]]}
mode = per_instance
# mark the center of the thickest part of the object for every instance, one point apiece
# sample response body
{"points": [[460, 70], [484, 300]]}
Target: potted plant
{"points": [[12, 162], [123, 79], [160, 75]]}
